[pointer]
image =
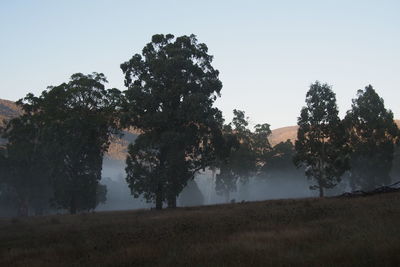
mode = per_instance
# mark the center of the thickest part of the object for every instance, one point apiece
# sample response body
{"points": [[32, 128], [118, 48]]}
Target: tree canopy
{"points": [[171, 88]]}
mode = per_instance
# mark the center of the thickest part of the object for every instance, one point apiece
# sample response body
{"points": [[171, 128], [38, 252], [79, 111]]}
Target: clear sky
{"points": [[267, 52]]}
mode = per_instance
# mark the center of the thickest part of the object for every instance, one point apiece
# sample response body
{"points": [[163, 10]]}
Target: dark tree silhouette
{"points": [[280, 160], [26, 169], [76, 121], [321, 145], [247, 152], [372, 134], [171, 90]]}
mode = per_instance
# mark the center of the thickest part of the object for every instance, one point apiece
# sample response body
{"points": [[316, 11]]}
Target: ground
{"points": [[362, 231]]}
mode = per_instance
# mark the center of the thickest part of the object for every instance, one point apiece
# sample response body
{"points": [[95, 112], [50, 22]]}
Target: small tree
{"points": [[279, 160], [171, 90], [144, 170], [372, 134], [247, 151], [321, 145]]}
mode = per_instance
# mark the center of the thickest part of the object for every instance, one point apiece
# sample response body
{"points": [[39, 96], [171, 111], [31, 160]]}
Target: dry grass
{"points": [[309, 232]]}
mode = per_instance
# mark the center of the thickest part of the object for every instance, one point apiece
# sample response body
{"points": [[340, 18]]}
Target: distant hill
{"points": [[8, 110], [283, 134], [118, 147], [290, 132]]}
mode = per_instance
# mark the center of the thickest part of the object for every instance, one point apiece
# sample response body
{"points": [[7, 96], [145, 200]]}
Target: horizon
{"points": [[267, 53]]}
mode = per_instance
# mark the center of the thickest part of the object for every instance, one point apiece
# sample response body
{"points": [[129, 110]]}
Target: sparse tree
{"points": [[247, 151], [372, 134], [321, 145], [171, 90], [279, 160]]}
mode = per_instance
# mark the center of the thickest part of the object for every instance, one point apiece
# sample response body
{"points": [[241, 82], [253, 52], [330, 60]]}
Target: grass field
{"points": [[362, 231]]}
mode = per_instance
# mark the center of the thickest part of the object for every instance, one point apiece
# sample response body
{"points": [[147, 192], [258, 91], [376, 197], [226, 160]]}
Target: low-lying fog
{"points": [[201, 191]]}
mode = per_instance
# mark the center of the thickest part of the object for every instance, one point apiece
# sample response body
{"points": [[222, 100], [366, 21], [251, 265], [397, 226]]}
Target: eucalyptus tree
{"points": [[372, 134], [171, 89], [321, 145], [247, 153]]}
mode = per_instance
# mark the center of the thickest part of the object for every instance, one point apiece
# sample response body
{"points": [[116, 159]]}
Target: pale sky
{"points": [[267, 52]]}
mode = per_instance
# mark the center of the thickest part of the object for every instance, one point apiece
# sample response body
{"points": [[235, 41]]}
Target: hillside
{"points": [[283, 134], [307, 232], [8, 110]]}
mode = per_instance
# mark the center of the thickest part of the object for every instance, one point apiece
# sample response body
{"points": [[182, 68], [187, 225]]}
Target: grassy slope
{"points": [[310, 232]]}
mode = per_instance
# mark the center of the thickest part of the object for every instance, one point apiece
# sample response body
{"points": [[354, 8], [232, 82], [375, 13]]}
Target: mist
{"points": [[201, 190]]}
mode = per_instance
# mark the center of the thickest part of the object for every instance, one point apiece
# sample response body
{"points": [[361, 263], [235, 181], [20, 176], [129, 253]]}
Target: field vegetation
{"points": [[361, 231]]}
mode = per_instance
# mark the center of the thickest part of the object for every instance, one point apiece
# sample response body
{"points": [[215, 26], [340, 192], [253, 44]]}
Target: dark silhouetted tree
{"points": [[372, 134], [26, 167], [77, 119], [321, 146], [279, 160], [171, 90], [247, 152]]}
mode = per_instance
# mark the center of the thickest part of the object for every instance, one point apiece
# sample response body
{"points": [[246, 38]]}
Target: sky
{"points": [[268, 52]]}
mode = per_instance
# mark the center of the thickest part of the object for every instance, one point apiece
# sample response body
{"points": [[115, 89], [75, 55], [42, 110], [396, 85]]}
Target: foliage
{"points": [[25, 172], [171, 90], [321, 145], [372, 135], [76, 121], [247, 152], [280, 158], [293, 232]]}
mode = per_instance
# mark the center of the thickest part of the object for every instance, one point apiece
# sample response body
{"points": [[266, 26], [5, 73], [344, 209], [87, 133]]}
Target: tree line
{"points": [[54, 151]]}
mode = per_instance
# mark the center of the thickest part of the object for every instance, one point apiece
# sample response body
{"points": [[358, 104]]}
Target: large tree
{"points": [[321, 145], [77, 120], [171, 88], [372, 134]]}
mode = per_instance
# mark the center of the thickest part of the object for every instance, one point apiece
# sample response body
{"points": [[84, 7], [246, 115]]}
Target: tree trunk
{"points": [[172, 202], [321, 190], [158, 202], [72, 207], [23, 209], [159, 198]]}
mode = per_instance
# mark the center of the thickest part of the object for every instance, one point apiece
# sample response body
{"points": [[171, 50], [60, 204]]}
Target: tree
{"points": [[279, 160], [321, 145], [144, 172], [170, 93], [8, 197], [227, 178], [77, 120], [246, 153], [372, 135], [26, 169]]}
